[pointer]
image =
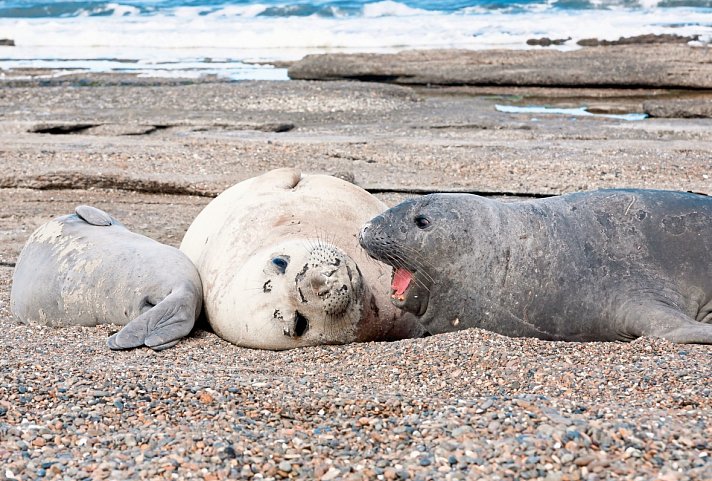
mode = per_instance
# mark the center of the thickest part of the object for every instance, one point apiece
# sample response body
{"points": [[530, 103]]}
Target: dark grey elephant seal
{"points": [[594, 266], [86, 269]]}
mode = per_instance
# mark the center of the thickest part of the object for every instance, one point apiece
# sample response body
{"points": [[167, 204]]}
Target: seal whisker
{"points": [[417, 256], [419, 268], [314, 241], [394, 261], [330, 238], [322, 236], [421, 284], [399, 263], [317, 238], [324, 239], [308, 245]]}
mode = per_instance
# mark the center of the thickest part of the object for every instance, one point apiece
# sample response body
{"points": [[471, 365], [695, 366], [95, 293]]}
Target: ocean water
{"points": [[235, 38], [569, 112]]}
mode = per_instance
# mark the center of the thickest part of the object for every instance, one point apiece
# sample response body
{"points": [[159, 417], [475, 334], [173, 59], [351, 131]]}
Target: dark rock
{"points": [[589, 42], [348, 176], [546, 41], [230, 452], [641, 66], [6, 42], [646, 39], [275, 127]]}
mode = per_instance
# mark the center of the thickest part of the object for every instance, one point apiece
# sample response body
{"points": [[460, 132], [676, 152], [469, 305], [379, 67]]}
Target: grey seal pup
{"points": [[608, 265], [282, 267], [86, 269]]}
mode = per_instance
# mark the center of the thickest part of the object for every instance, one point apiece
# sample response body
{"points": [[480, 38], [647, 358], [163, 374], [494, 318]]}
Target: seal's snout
{"points": [[364, 233], [322, 282], [333, 287], [330, 281], [371, 234]]}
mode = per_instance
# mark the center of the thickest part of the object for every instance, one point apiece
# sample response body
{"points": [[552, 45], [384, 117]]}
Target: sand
{"points": [[468, 405]]}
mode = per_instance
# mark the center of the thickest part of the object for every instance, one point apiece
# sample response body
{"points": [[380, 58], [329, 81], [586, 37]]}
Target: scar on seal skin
{"points": [[282, 267], [608, 265], [86, 269]]}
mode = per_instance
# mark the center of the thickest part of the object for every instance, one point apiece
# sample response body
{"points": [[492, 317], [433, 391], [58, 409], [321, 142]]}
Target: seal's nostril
{"points": [[362, 232]]}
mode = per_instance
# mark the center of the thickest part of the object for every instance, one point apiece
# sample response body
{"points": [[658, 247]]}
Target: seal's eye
{"points": [[422, 222], [281, 264]]}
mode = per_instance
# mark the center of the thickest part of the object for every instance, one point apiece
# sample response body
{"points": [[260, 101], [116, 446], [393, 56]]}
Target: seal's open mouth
{"points": [[410, 290], [399, 284]]}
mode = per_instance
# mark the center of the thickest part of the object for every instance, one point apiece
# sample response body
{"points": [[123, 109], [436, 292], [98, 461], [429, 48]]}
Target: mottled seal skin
{"points": [[86, 269], [609, 265], [282, 267]]}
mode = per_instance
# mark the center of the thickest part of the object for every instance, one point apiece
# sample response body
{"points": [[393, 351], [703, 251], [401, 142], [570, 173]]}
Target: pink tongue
{"points": [[401, 280]]}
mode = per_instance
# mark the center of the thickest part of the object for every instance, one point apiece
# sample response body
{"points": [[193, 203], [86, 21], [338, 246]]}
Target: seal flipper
{"points": [[92, 215], [163, 325], [662, 321]]}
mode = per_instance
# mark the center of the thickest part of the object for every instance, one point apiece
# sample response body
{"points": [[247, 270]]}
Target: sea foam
{"points": [[147, 35]]}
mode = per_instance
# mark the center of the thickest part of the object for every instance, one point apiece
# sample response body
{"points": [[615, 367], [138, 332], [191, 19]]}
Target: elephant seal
{"points": [[282, 268], [608, 265], [86, 269]]}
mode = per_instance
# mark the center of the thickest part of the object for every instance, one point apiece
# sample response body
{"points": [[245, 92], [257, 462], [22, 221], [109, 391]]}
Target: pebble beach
{"points": [[467, 405]]}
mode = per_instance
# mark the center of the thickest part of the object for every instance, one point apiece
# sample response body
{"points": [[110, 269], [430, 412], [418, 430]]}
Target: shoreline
{"points": [[674, 46]]}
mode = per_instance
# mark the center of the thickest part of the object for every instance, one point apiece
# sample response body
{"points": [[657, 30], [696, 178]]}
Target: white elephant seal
{"points": [[282, 268], [86, 269]]}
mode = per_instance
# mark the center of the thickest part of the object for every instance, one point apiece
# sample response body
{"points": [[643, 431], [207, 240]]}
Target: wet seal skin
{"points": [[282, 267], [608, 265], [86, 269]]}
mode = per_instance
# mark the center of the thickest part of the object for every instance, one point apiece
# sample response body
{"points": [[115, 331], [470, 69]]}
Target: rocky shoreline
{"points": [[469, 405], [649, 62]]}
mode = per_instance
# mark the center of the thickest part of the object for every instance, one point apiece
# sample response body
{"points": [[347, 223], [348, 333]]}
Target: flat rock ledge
{"points": [[627, 66], [679, 108]]}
